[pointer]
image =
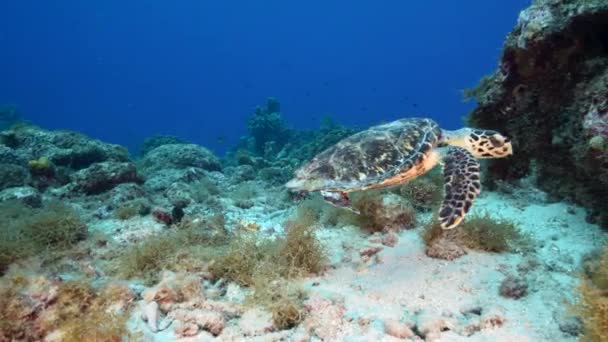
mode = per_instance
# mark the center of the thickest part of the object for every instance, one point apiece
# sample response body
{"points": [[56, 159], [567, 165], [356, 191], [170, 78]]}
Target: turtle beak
{"points": [[295, 184]]}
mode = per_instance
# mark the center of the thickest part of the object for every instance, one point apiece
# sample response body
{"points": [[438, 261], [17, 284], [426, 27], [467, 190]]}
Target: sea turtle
{"points": [[396, 152]]}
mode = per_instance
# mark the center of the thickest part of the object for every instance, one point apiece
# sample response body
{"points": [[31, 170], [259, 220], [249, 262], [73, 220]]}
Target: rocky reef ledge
{"points": [[550, 93]]}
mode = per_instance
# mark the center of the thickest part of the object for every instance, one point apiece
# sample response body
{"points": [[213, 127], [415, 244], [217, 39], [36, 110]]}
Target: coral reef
{"points": [[12, 175], [63, 148], [549, 97], [181, 244]]}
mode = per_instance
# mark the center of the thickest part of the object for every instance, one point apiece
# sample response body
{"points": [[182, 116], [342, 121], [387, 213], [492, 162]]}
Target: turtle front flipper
{"points": [[462, 185], [339, 199]]}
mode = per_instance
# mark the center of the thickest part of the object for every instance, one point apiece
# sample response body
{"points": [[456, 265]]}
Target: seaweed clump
{"points": [[424, 193], [54, 226], [26, 231], [73, 309], [267, 265], [297, 254], [593, 299], [191, 243], [146, 259], [41, 167], [133, 208], [379, 211], [489, 234], [478, 232]]}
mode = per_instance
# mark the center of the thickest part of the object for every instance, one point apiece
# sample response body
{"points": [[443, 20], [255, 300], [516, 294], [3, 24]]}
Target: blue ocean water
{"points": [[124, 70]]}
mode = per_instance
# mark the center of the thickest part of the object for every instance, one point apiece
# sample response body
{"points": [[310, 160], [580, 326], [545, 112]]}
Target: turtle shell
{"points": [[374, 155]]}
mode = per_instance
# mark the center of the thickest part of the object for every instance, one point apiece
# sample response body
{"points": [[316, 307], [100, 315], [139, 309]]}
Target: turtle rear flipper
{"points": [[461, 186], [339, 199]]}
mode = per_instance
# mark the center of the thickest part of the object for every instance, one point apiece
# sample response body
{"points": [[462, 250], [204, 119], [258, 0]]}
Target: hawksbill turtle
{"points": [[397, 152]]}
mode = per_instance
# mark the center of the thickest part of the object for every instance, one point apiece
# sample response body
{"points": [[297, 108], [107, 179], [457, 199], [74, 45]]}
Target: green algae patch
{"points": [[41, 167]]}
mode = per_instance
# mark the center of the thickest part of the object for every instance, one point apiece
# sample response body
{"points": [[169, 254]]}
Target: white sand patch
{"points": [[403, 284]]}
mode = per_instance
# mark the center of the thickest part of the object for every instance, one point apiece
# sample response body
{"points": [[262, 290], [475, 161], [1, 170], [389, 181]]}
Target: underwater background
{"points": [[206, 171], [122, 71]]}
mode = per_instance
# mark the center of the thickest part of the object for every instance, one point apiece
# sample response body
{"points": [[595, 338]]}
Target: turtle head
{"points": [[307, 178], [482, 143]]}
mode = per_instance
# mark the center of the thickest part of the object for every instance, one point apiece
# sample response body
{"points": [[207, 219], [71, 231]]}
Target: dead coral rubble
{"points": [[549, 95]]}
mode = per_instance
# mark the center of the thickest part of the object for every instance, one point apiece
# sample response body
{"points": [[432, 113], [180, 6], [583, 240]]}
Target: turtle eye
{"points": [[497, 141]]}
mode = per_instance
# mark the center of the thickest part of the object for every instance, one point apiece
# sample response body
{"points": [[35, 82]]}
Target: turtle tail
{"points": [[461, 186]]}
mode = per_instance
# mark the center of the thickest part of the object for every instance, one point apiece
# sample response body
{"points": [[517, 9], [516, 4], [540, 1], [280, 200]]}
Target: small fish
{"points": [[220, 139]]}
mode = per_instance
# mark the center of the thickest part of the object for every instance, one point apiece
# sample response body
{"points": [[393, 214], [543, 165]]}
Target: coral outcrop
{"points": [[549, 95], [101, 177], [267, 128], [31, 156], [179, 156], [158, 140]]}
